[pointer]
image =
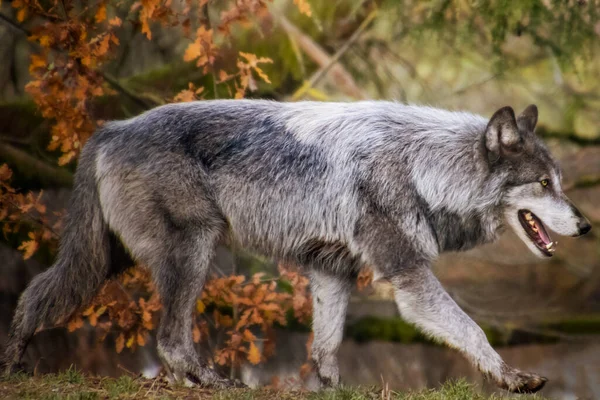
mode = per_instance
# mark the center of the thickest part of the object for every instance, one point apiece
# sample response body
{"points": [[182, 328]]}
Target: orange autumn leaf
{"points": [[130, 341], [37, 61], [116, 21], [303, 7], [74, 324], [148, 7], [45, 41], [101, 13], [103, 45], [253, 60], [141, 339], [254, 354], [29, 247], [66, 158], [120, 343], [22, 14], [202, 49], [223, 76], [248, 336], [262, 74], [193, 51], [196, 334], [88, 311], [200, 307]]}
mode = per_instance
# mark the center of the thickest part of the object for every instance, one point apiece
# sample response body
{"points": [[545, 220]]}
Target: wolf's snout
{"points": [[584, 226]]}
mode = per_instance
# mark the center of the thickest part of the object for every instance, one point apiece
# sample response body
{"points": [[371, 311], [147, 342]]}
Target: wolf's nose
{"points": [[584, 227]]}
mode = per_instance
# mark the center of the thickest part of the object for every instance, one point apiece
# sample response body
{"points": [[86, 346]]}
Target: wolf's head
{"points": [[533, 197]]}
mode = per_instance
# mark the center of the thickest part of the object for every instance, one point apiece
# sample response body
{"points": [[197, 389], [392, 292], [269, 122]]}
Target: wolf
{"points": [[332, 187]]}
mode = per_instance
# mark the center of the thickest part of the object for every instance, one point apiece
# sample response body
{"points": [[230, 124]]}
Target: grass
{"points": [[72, 385]]}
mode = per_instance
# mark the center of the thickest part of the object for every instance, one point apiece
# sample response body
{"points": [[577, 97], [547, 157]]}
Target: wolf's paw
{"points": [[209, 378], [521, 382], [189, 371]]}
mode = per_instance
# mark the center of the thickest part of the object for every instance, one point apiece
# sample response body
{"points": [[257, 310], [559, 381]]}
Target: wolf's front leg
{"points": [[423, 301], [330, 300]]}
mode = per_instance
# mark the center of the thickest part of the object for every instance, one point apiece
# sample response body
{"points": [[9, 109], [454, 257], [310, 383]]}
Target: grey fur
{"points": [[331, 186]]}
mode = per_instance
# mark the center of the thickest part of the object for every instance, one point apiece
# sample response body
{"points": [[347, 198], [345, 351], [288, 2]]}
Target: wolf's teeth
{"points": [[550, 246], [533, 227], [528, 217]]}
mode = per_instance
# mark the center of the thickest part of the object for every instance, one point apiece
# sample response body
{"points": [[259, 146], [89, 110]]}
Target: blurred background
{"points": [[67, 66]]}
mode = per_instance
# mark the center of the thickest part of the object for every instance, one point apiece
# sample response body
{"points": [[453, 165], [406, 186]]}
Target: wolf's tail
{"points": [[82, 265]]}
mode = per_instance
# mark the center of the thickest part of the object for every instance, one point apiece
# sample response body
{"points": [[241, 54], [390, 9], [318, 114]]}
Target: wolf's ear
{"points": [[528, 118], [502, 132]]}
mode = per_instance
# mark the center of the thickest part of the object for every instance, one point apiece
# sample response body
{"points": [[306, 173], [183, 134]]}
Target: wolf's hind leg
{"points": [[180, 279], [423, 301], [330, 301]]}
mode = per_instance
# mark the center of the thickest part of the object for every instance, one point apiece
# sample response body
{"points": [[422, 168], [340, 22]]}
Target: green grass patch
{"points": [[72, 375], [72, 385], [116, 388]]}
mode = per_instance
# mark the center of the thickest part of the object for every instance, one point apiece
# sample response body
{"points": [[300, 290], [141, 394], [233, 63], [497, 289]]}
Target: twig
{"points": [[33, 219], [14, 25], [582, 141], [268, 280], [585, 182], [126, 370], [338, 73], [471, 86], [335, 58], [151, 387], [46, 171], [128, 93], [212, 64], [411, 69]]}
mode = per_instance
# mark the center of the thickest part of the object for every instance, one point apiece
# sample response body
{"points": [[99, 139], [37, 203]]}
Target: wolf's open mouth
{"points": [[537, 232]]}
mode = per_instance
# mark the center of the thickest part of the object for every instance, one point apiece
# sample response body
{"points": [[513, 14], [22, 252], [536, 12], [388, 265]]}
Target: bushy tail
{"points": [[82, 265]]}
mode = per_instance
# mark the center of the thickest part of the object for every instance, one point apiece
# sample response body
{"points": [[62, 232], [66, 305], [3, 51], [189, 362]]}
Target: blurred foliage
{"points": [[566, 28]]}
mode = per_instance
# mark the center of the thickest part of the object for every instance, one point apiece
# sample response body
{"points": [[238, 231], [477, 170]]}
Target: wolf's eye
{"points": [[544, 182]]}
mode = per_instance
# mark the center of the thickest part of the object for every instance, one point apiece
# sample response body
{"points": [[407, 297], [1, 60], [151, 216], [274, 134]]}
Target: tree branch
{"points": [[582, 141], [14, 25], [339, 74], [139, 101], [314, 80], [47, 172]]}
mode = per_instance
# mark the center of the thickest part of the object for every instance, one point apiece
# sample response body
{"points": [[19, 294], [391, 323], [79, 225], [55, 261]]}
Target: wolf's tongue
{"points": [[543, 234]]}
